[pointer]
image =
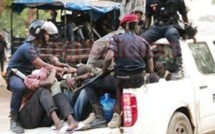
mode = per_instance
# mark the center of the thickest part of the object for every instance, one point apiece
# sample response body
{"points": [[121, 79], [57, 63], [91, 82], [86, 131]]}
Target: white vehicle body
{"points": [[156, 103]]}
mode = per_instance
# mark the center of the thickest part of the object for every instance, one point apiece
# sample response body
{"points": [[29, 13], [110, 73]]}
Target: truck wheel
{"points": [[179, 124]]}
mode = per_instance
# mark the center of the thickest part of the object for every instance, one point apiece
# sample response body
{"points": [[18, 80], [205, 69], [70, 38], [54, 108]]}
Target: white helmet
{"points": [[38, 28]]}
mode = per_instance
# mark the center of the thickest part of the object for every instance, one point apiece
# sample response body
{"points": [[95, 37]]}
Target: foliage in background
{"points": [[20, 21], [213, 2]]}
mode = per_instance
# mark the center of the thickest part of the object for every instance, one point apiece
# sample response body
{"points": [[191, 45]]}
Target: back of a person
{"points": [[19, 59], [131, 49]]}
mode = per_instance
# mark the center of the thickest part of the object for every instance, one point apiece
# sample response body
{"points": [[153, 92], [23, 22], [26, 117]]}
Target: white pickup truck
{"points": [[185, 106]]}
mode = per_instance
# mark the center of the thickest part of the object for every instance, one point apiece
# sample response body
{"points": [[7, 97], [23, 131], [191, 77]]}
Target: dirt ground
{"points": [[4, 109]]}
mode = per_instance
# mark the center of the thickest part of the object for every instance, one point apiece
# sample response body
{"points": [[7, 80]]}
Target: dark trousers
{"points": [[109, 82], [135, 82], [18, 88], [79, 103], [169, 32], [2, 58], [36, 112], [105, 83]]}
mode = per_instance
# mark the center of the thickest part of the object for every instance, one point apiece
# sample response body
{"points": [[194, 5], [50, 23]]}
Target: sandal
{"points": [[82, 126], [64, 129]]}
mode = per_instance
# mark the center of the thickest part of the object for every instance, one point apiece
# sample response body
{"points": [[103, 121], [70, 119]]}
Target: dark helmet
{"points": [[38, 28]]}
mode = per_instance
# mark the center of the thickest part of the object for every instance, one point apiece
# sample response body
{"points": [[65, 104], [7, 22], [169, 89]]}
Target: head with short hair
{"points": [[83, 69]]}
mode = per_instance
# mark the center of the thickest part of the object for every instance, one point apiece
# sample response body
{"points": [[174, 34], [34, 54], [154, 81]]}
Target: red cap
{"points": [[128, 18]]}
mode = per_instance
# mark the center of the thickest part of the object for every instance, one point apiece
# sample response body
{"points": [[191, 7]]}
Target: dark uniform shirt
{"points": [[130, 52], [166, 13], [23, 57]]}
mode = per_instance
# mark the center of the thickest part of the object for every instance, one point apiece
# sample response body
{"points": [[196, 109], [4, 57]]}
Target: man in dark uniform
{"points": [[130, 52], [25, 59], [166, 18]]}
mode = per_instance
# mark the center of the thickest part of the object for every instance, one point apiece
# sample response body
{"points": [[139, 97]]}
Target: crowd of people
{"points": [[76, 26], [47, 94]]}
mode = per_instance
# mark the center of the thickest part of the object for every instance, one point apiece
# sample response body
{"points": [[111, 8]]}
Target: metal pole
{"points": [[11, 31], [37, 14], [114, 18], [91, 17]]}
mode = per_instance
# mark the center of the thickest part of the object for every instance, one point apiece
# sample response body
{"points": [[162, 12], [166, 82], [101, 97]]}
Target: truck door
{"points": [[206, 85]]}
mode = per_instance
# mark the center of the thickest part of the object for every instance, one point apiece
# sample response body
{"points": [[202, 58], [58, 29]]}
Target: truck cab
{"points": [[179, 106]]}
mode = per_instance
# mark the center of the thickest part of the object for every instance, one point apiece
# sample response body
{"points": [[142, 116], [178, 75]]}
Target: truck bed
{"points": [[48, 130]]}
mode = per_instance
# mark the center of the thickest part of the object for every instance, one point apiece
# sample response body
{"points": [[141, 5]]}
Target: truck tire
{"points": [[179, 124]]}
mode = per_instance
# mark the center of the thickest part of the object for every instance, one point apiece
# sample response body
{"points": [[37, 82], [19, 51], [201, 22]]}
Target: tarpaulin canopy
{"points": [[80, 5]]}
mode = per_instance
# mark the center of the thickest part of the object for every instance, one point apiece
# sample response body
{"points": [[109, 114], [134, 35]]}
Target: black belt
{"points": [[127, 77], [163, 23]]}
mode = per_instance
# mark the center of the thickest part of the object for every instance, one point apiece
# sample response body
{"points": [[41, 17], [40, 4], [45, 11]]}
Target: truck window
{"points": [[203, 57]]}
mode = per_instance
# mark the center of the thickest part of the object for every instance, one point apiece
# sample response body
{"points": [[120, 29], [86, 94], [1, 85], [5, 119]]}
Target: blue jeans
{"points": [[169, 32], [80, 104], [18, 89]]}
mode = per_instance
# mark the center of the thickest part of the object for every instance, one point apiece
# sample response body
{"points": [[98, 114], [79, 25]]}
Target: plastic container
{"points": [[107, 103], [18, 73]]}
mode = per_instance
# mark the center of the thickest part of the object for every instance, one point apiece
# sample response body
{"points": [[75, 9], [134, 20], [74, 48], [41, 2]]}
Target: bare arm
{"points": [[40, 63], [148, 22], [108, 59], [150, 65], [185, 18], [49, 81]]}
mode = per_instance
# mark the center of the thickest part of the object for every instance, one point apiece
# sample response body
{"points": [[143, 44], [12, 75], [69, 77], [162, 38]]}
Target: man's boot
{"points": [[178, 74], [100, 120], [116, 121], [14, 123], [89, 119]]}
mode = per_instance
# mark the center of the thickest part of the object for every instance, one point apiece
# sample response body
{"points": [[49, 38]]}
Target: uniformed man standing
{"points": [[166, 18]]}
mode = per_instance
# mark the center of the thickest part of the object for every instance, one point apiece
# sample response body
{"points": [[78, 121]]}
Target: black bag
{"points": [[186, 30]]}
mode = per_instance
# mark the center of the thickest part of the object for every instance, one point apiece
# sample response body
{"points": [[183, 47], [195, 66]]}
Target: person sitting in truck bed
{"points": [[131, 71], [105, 24], [53, 18], [165, 15], [99, 48], [25, 59], [39, 109], [73, 32], [81, 18], [71, 81]]}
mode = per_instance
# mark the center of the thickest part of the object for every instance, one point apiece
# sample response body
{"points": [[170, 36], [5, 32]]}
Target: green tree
{"points": [[213, 2], [20, 21]]}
